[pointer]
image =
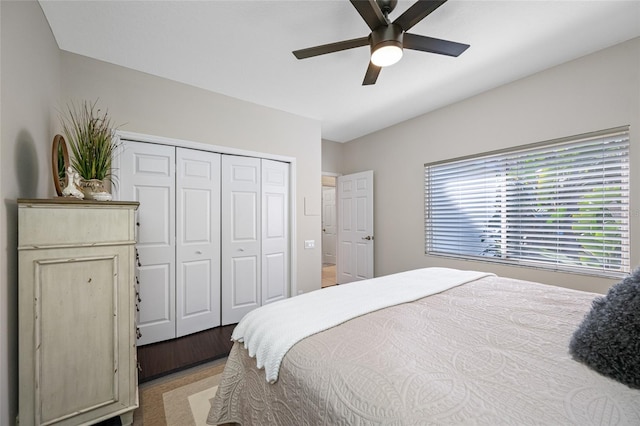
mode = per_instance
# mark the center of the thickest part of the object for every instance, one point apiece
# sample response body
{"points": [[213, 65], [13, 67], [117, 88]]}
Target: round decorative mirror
{"points": [[59, 163]]}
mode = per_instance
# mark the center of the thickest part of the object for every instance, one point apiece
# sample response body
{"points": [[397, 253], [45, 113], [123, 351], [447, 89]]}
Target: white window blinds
{"points": [[561, 205]]}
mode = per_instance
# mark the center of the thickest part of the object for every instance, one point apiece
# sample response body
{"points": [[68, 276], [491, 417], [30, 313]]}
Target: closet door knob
{"points": [[198, 252], [240, 249]]}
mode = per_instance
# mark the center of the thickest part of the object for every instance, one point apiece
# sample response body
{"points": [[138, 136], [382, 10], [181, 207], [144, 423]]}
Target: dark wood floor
{"points": [[159, 359]]}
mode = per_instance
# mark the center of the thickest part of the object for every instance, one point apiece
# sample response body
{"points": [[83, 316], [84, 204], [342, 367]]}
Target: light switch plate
{"points": [[309, 244]]}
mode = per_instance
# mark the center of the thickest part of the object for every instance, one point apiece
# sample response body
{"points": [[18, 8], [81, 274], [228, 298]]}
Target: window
{"points": [[561, 205]]}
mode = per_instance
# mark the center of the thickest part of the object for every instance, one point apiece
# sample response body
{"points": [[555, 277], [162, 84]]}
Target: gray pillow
{"points": [[608, 340]]}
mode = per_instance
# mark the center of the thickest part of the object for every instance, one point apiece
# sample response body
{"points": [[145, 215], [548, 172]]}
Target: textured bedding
{"points": [[269, 332], [493, 351]]}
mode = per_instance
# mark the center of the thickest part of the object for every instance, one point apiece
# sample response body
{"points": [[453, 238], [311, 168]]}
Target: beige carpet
{"points": [[181, 399]]}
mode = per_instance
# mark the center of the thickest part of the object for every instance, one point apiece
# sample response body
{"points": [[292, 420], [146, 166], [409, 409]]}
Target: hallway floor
{"points": [[328, 275]]}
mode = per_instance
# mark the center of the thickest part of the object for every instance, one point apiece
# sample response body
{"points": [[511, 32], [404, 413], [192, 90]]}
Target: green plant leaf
{"points": [[90, 136]]}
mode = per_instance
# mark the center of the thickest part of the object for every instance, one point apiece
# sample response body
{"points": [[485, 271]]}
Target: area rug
{"points": [[181, 399]]}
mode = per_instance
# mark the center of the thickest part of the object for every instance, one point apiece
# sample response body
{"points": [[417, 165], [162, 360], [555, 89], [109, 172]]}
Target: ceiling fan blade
{"points": [[371, 75], [416, 13], [370, 12], [331, 47], [433, 45]]}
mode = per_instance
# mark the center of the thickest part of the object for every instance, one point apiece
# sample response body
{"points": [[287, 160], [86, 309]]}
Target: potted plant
{"points": [[90, 135]]}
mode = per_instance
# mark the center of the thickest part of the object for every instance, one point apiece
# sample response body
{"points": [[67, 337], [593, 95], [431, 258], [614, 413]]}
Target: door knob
{"points": [[368, 238], [198, 252]]}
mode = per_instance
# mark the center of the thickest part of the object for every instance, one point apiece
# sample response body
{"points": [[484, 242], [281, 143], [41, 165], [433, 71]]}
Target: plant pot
{"points": [[94, 189]]}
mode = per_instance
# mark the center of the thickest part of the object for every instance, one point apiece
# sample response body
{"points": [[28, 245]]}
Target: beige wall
{"points": [[30, 84], [4, 320], [332, 156], [595, 92], [156, 106], [38, 80]]}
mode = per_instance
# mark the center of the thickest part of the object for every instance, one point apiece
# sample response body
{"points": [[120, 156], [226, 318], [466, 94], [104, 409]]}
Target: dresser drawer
{"points": [[72, 223]]}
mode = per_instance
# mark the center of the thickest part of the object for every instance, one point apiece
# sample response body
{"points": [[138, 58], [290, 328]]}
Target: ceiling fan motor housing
{"points": [[386, 35]]}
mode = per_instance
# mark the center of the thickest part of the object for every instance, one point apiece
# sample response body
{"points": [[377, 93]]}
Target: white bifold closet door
{"points": [[213, 235], [197, 241], [255, 234], [146, 173], [275, 231], [178, 237]]}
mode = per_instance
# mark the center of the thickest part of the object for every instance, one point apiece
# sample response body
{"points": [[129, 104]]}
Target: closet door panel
{"points": [[245, 278], [198, 241], [274, 277], [241, 232], [275, 231], [147, 175], [155, 291], [244, 208], [196, 278]]}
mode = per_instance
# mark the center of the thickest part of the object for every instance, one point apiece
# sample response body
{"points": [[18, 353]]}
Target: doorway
{"points": [[347, 228], [329, 230], [355, 239]]}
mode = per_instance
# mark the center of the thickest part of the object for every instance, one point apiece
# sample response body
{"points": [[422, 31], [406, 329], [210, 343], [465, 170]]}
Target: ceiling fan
{"points": [[387, 39]]}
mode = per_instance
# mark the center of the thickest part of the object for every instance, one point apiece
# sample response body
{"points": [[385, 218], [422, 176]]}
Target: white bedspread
{"points": [[270, 331], [490, 352]]}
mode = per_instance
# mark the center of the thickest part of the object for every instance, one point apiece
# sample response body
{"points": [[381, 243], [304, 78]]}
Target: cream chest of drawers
{"points": [[76, 295]]}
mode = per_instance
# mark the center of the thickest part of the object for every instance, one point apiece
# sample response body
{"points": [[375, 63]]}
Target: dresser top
{"points": [[70, 201]]}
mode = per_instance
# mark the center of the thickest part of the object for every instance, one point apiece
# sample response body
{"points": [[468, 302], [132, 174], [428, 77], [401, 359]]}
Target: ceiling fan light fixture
{"points": [[386, 45], [386, 54]]}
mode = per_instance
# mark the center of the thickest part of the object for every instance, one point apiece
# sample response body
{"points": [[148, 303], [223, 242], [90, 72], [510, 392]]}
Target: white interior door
{"points": [[329, 225], [241, 233], [355, 227], [146, 174], [275, 231], [197, 241]]}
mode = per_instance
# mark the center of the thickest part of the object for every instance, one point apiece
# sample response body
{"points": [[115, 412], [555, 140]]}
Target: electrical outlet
{"points": [[309, 244]]}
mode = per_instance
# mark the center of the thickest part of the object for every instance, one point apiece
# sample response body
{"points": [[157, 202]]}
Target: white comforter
{"points": [[270, 331]]}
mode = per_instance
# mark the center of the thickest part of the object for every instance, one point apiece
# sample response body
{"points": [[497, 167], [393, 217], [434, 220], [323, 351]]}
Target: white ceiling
{"points": [[242, 49]]}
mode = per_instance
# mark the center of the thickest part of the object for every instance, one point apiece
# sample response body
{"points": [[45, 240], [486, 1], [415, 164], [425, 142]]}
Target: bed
{"points": [[488, 350]]}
